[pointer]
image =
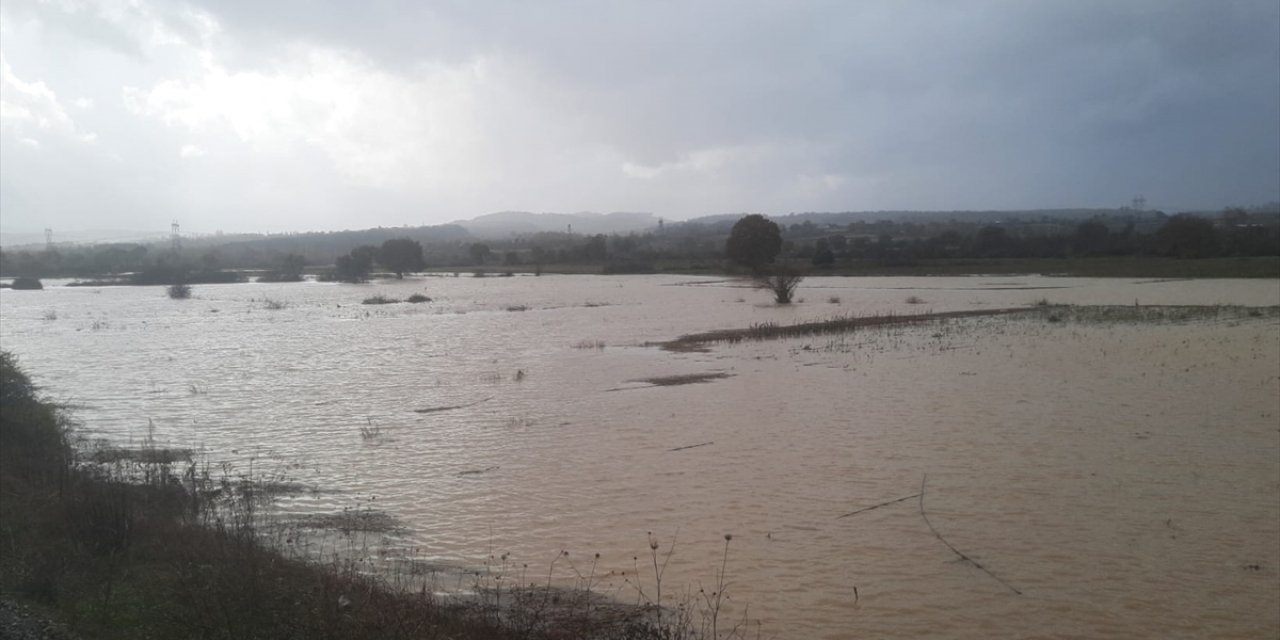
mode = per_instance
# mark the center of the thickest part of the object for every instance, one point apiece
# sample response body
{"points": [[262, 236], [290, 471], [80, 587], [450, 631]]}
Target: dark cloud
{"points": [[423, 112]]}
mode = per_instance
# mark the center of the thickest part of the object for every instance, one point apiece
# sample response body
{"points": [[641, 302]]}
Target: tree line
{"points": [[694, 245]]}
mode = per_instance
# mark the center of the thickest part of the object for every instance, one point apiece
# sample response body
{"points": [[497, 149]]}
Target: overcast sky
{"points": [[292, 115]]}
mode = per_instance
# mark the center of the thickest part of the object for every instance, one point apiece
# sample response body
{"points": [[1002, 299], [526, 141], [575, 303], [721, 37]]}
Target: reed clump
{"points": [[380, 299]]}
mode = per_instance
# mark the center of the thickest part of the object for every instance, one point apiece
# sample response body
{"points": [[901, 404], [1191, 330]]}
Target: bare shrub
{"points": [[781, 282]]}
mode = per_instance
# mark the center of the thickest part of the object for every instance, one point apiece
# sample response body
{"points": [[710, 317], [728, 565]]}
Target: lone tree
{"points": [[401, 255], [781, 281], [754, 242]]}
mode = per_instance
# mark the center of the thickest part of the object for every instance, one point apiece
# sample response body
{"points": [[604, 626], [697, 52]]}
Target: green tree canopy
{"points": [[754, 242]]}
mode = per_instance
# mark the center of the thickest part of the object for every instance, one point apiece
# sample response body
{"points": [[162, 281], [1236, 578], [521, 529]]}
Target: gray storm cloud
{"points": [[303, 115]]}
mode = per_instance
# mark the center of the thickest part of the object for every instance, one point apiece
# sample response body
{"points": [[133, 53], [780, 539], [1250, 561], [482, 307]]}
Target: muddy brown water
{"points": [[1124, 478]]}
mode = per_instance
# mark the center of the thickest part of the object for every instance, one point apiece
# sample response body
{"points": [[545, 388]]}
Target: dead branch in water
{"points": [[692, 446], [451, 407], [954, 550], [882, 504]]}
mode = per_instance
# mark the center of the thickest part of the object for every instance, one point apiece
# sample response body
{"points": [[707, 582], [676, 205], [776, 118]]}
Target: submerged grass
{"points": [[147, 543], [842, 324], [1150, 314], [1117, 314], [140, 455]]}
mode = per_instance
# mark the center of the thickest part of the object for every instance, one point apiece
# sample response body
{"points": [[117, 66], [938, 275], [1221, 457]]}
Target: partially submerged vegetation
{"points": [[773, 331], [145, 542], [781, 283], [1141, 314], [1042, 310], [682, 379], [28, 284]]}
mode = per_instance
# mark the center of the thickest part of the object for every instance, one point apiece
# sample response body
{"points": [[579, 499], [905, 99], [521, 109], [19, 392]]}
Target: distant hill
{"points": [[846, 217], [26, 240], [511, 223]]}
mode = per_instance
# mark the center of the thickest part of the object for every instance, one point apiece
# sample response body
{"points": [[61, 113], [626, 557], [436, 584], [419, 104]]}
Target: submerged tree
{"points": [[782, 282], [355, 266], [292, 265], [401, 255]]}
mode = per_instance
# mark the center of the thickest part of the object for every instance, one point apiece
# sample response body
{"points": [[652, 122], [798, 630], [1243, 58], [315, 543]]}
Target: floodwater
{"points": [[1112, 480]]}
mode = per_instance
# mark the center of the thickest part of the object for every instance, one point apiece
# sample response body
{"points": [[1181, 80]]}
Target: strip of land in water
{"points": [[772, 331], [1050, 313]]}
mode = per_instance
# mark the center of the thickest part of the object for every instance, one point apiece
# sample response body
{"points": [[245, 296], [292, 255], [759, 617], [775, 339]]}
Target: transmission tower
{"points": [[48, 239], [1139, 203], [174, 237]]}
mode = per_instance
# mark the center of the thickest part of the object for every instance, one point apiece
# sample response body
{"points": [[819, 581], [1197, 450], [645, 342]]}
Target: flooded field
{"points": [[1104, 477]]}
